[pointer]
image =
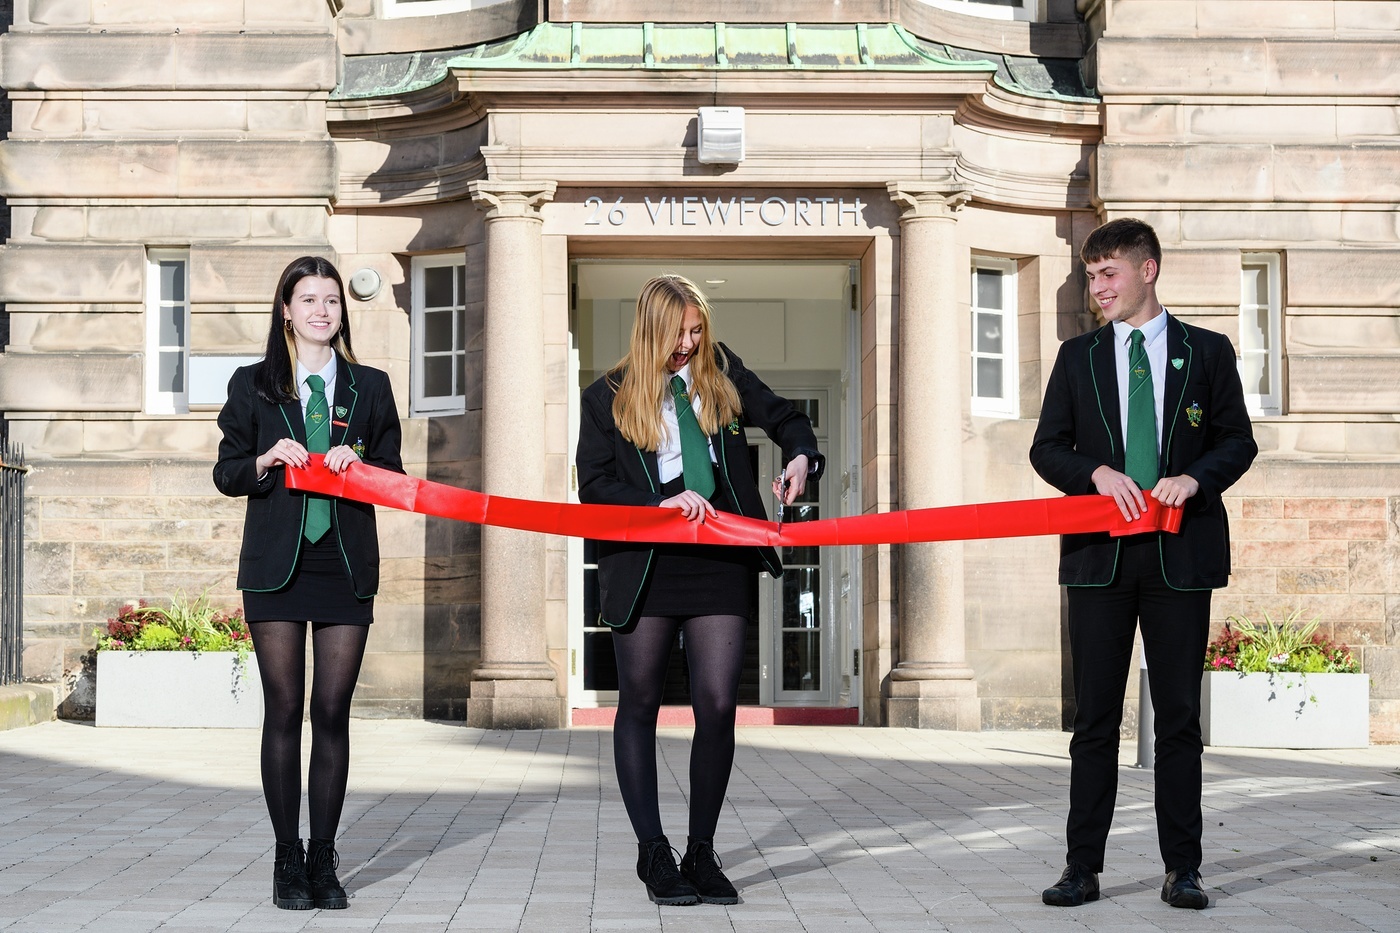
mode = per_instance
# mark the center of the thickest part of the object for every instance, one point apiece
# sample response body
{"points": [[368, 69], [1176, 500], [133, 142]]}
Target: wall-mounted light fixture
{"points": [[719, 136], [364, 284]]}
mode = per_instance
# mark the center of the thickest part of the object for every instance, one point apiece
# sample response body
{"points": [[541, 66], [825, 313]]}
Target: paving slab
{"points": [[826, 829]]}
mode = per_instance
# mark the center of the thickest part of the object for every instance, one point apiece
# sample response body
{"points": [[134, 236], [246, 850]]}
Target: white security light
{"points": [[719, 136]]}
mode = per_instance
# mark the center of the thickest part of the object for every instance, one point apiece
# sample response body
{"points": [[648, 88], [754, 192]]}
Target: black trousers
{"points": [[1175, 625]]}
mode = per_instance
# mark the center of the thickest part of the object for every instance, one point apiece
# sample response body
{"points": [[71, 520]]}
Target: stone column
{"points": [[515, 686], [932, 686]]}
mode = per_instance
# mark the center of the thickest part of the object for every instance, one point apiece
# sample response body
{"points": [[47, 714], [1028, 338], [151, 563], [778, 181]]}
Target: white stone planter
{"points": [[1286, 710], [198, 690]]}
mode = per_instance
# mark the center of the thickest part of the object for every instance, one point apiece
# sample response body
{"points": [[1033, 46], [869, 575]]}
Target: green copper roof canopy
{"points": [[856, 47], [717, 45]]}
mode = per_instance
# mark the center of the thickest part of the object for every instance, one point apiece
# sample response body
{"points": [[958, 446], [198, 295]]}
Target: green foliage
{"points": [[183, 625], [157, 637], [1278, 647]]}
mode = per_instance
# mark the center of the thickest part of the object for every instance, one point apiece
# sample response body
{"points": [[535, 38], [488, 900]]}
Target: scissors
{"points": [[783, 484]]}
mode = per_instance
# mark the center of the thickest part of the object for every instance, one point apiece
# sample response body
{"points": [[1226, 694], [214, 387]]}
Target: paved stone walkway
{"points": [[448, 828]]}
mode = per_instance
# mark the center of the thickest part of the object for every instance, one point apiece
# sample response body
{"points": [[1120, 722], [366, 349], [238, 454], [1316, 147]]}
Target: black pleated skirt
{"points": [[319, 591], [701, 579]]}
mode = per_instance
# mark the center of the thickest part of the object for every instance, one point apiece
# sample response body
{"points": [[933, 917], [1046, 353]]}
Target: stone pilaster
{"points": [[515, 687], [932, 686]]}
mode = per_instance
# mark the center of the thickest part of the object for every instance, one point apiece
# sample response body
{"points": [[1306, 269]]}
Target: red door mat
{"points": [[747, 716]]}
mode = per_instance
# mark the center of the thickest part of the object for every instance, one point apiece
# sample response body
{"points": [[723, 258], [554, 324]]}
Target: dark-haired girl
{"points": [[306, 559]]}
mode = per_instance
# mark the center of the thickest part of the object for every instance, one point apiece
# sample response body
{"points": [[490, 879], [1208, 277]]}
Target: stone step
{"points": [[25, 705]]}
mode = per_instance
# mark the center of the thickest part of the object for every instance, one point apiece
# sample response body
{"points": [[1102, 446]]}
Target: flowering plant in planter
{"points": [[1283, 647], [186, 664], [1282, 685], [184, 625]]}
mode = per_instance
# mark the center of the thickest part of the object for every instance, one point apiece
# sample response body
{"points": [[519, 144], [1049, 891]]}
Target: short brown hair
{"points": [[1128, 238]]}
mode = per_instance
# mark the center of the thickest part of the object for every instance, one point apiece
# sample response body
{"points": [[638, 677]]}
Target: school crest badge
{"points": [[1177, 362], [1193, 414], [341, 411]]}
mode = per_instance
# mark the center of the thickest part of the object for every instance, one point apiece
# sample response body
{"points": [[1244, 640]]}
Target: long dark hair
{"points": [[275, 380]]}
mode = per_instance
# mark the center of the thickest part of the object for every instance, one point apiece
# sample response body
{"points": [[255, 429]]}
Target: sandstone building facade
{"points": [[895, 247]]}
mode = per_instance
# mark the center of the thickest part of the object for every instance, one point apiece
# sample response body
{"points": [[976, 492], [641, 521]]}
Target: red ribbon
{"points": [[1059, 516]]}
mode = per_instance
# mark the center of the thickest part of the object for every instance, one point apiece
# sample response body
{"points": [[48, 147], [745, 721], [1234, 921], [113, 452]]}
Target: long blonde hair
{"points": [[641, 380]]}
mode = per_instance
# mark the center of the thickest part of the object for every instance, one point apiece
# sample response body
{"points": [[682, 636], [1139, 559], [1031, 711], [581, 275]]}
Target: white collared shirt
{"points": [[668, 455], [1154, 338], [327, 373]]}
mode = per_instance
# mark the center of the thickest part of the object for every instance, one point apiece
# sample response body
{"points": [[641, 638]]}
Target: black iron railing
{"points": [[12, 472]]}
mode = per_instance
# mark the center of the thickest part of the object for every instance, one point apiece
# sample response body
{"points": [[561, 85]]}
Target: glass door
{"points": [[797, 611], [794, 324]]}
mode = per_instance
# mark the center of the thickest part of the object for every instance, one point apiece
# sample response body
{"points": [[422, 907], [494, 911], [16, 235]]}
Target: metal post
{"points": [[1147, 727], [12, 471]]}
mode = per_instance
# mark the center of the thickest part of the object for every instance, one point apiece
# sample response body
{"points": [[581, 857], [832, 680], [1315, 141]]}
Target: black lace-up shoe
{"points": [[290, 888], [322, 861], [1183, 888], [1077, 884], [701, 867], [656, 866]]}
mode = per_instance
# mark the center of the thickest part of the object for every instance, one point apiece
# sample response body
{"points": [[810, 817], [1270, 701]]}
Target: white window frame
{"points": [[1008, 406], [395, 9], [423, 404], [1267, 403], [1025, 10], [161, 401]]}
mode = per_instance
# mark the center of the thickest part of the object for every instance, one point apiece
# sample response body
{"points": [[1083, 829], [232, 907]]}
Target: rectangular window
{"points": [[1261, 333], [994, 371], [439, 334], [1032, 10], [167, 331], [397, 8]]}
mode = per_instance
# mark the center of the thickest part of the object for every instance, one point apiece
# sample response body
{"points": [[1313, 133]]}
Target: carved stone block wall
{"points": [[1335, 558], [142, 124]]}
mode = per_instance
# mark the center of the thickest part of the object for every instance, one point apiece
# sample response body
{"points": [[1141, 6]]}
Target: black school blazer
{"points": [[613, 471], [272, 529], [1206, 434]]}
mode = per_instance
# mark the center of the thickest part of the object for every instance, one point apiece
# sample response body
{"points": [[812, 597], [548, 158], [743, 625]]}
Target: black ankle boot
{"points": [[322, 861], [701, 867], [656, 866], [290, 888]]}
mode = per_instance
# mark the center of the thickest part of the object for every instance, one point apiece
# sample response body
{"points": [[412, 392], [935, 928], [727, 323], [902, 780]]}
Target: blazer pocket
{"points": [[1195, 406]]}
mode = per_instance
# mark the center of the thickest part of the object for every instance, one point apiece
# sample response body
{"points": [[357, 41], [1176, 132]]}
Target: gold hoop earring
{"points": [[287, 323]]}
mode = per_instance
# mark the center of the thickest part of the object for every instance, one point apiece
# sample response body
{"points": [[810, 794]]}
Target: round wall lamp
{"points": [[364, 284]]}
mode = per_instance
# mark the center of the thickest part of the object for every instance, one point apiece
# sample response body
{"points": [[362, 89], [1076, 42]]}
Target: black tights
{"points": [[714, 649], [336, 654]]}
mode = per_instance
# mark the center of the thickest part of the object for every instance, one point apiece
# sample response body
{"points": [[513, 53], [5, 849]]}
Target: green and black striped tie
{"points": [[318, 441], [695, 450], [1141, 442]]}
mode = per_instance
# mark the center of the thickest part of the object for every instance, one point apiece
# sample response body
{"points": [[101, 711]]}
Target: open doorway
{"points": [[796, 326]]}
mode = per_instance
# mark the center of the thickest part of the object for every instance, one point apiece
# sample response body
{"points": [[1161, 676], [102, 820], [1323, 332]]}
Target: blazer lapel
{"points": [[1103, 373], [346, 396], [722, 462], [296, 421], [1174, 401], [652, 467]]}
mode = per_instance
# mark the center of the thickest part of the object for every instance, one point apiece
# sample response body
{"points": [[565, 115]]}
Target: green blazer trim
{"points": [[651, 554]]}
